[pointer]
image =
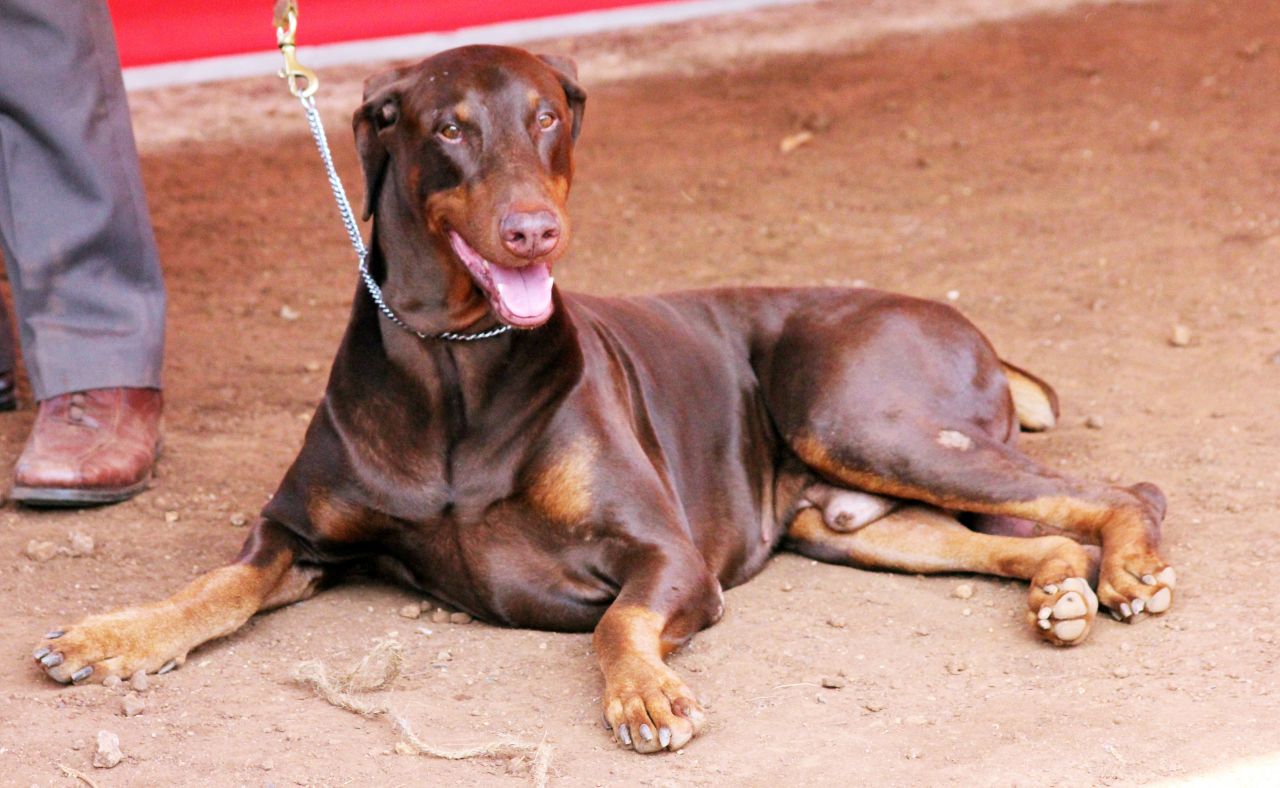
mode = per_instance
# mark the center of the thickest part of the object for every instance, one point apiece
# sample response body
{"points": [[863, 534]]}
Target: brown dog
{"points": [[618, 463]]}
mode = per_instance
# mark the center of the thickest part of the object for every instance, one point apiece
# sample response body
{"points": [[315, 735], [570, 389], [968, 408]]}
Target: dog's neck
{"points": [[421, 281], [457, 383]]}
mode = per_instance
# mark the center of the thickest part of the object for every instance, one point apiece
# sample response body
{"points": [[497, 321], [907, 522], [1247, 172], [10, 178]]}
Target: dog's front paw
{"points": [[650, 709], [120, 643]]}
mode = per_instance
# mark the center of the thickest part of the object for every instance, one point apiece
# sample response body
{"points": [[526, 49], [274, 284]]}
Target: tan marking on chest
{"points": [[334, 518], [562, 489]]}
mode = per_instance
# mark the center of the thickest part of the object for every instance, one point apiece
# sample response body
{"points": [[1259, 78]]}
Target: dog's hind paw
{"points": [[1063, 611]]}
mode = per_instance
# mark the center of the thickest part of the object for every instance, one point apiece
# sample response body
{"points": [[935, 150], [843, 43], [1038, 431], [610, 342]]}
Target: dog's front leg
{"points": [[666, 597], [156, 637]]}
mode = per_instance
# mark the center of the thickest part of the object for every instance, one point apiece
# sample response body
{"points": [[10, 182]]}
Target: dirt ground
{"points": [[1077, 183]]}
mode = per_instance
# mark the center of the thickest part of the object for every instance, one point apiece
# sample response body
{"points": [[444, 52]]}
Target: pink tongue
{"points": [[525, 292]]}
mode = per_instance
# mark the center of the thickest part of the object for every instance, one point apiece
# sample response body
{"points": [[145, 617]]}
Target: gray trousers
{"points": [[74, 229]]}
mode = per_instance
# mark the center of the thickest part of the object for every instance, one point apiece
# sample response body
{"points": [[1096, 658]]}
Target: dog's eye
{"points": [[546, 120], [450, 132]]}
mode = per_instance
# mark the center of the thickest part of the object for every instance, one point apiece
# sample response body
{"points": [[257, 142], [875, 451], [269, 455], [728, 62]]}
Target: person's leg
{"points": [[80, 253]]}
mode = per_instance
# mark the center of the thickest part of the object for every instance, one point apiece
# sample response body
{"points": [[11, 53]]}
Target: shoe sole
{"points": [[71, 497]]}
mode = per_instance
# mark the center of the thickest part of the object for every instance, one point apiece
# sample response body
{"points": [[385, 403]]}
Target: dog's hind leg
{"points": [[922, 539], [966, 471], [156, 637]]}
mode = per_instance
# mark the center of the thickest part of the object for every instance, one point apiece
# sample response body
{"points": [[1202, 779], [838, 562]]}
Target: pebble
{"points": [[444, 656], [874, 706], [81, 544], [112, 682], [963, 591], [1181, 336], [289, 313], [787, 587], [914, 754], [132, 705], [1094, 422], [140, 682], [41, 551], [404, 748], [312, 366], [440, 617], [411, 610], [108, 754], [793, 141], [459, 618], [834, 682], [238, 519], [956, 667], [917, 719], [837, 622], [1275, 358], [1120, 672], [171, 517]]}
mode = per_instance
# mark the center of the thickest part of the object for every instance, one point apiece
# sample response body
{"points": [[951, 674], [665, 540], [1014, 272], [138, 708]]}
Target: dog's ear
{"points": [[379, 112], [567, 71]]}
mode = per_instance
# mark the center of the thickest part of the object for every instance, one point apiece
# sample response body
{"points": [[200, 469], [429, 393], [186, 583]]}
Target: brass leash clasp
{"points": [[303, 82]]}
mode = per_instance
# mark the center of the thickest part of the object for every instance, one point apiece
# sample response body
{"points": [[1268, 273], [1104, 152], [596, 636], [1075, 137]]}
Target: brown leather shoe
{"points": [[90, 447]]}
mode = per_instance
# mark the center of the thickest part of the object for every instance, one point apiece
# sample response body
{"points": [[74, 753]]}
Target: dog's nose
{"points": [[530, 233]]}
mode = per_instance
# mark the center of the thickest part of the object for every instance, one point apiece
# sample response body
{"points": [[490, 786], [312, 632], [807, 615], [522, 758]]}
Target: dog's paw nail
{"points": [[51, 660], [646, 732], [40, 652], [607, 725], [1116, 615], [168, 666], [1043, 623], [1044, 613], [1051, 589], [664, 736], [54, 635], [1125, 610], [1168, 577], [1160, 601], [624, 733], [82, 674], [1148, 580], [1138, 606]]}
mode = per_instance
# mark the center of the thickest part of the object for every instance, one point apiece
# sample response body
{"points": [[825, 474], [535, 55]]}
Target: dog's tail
{"points": [[1034, 400]]}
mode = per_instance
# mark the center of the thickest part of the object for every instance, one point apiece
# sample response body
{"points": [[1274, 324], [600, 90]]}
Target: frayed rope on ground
{"points": [[377, 669]]}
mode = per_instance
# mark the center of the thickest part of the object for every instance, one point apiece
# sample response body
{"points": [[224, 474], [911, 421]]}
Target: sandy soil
{"points": [[1077, 183]]}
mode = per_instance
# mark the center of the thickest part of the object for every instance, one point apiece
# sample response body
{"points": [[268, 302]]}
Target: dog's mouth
{"points": [[520, 296]]}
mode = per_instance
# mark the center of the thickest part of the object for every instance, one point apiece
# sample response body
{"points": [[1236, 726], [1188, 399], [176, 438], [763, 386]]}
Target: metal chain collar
{"points": [[357, 243]]}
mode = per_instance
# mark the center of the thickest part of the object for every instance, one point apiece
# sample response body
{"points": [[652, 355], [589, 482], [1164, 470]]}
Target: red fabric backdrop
{"points": [[159, 32]]}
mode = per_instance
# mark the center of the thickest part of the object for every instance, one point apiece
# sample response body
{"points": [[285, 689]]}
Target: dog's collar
{"points": [[375, 293]]}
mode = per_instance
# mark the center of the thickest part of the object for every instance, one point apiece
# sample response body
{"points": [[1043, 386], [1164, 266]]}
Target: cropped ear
{"points": [[567, 71], [379, 112]]}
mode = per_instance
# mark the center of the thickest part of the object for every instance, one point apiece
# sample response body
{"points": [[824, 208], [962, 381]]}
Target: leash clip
{"points": [[303, 82]]}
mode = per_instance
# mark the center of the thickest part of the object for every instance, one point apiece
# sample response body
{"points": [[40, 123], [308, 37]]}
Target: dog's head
{"points": [[476, 144]]}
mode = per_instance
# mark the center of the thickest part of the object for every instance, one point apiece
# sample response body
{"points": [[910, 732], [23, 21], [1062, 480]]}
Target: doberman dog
{"points": [[617, 462]]}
